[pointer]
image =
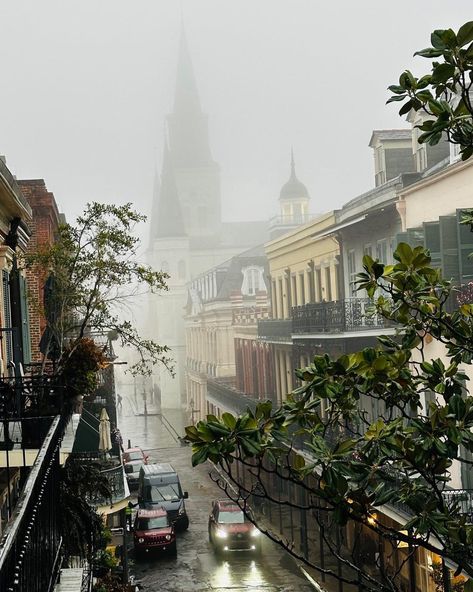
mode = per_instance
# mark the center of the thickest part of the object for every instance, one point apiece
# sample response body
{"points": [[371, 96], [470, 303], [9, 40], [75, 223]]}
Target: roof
{"points": [[158, 512], [229, 505], [229, 273], [390, 134], [293, 188], [158, 469]]}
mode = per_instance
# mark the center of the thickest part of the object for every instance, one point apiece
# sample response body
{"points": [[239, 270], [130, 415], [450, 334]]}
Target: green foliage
{"points": [[82, 361], [444, 94], [82, 528], [401, 455], [94, 271]]}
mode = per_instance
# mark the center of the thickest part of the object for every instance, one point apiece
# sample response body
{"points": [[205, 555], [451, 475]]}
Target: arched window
{"points": [[181, 270]]}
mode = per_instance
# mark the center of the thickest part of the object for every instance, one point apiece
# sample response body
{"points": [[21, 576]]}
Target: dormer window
{"points": [[253, 281]]}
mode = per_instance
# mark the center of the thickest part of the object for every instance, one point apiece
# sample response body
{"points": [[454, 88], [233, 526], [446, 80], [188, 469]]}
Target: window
{"points": [[318, 285], [7, 316], [328, 285], [382, 250], [351, 268], [301, 289], [368, 250], [252, 281]]}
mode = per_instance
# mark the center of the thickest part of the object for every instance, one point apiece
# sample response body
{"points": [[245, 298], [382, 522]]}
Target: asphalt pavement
{"points": [[196, 568]]}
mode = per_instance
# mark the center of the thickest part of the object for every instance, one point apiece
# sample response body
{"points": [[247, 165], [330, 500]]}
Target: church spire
{"points": [[293, 165], [186, 97], [169, 222], [188, 131]]}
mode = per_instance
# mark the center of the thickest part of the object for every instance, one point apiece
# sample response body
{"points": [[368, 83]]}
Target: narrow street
{"points": [[196, 568]]}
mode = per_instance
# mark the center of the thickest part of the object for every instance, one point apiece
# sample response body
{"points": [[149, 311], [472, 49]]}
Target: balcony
{"points": [[30, 549], [228, 397], [342, 316], [275, 330]]}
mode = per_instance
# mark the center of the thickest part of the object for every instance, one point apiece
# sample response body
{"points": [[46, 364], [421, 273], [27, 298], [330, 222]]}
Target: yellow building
{"points": [[303, 268]]}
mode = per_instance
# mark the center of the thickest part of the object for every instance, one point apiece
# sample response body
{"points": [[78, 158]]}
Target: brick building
{"points": [[45, 221]]}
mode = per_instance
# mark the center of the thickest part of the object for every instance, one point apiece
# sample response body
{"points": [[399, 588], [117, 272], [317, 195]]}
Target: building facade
{"points": [[44, 224], [223, 308]]}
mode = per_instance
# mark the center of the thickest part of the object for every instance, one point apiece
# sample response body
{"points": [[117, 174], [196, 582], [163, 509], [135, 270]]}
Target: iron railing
{"points": [[30, 550], [116, 482], [275, 330], [350, 314], [229, 397]]}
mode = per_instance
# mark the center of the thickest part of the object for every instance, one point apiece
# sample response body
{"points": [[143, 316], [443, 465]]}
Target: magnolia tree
{"points": [[93, 276], [346, 462]]}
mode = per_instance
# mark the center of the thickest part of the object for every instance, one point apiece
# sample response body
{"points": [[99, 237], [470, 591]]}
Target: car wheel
{"points": [[185, 523]]}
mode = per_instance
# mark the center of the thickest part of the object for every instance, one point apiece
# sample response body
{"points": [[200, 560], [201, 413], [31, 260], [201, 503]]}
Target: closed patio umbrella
{"points": [[105, 441]]}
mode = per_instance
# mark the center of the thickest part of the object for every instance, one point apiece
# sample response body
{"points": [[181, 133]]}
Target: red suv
{"points": [[153, 531], [230, 530], [131, 454]]}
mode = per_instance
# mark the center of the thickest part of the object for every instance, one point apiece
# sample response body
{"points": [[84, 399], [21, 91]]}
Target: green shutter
{"points": [[432, 242], [412, 236], [465, 248], [449, 248], [25, 321]]}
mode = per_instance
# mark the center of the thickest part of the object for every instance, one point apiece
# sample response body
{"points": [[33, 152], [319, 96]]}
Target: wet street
{"points": [[196, 568]]}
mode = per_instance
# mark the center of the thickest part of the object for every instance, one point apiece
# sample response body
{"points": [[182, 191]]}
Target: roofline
{"points": [[434, 177]]}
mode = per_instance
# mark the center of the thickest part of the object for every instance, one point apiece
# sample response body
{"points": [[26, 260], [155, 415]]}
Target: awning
{"points": [[111, 509]]}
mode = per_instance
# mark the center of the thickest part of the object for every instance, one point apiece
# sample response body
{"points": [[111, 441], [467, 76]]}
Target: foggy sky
{"points": [[86, 85]]}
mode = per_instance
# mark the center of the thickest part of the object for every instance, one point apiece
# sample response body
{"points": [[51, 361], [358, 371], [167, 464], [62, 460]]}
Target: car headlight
{"points": [[168, 537], [141, 540], [255, 532], [221, 534]]}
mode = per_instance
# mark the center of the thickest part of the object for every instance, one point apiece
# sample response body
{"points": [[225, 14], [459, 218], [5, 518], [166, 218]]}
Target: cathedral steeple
{"points": [[186, 96], [188, 130], [169, 222]]}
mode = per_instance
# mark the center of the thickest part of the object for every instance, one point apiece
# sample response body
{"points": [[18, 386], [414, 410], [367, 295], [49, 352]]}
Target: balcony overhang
{"points": [[338, 227], [346, 334]]}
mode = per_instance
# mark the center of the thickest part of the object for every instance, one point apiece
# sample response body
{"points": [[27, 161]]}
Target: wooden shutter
{"points": [[449, 248], [432, 242]]}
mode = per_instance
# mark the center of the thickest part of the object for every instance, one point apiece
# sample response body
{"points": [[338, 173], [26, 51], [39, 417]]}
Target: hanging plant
{"points": [[82, 361]]}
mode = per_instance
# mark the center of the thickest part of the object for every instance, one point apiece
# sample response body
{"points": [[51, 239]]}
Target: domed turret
{"points": [[294, 200], [293, 189]]}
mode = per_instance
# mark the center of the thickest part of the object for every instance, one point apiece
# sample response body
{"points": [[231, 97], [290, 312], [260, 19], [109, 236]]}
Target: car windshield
{"points": [[135, 455], [150, 523], [168, 493], [231, 517]]}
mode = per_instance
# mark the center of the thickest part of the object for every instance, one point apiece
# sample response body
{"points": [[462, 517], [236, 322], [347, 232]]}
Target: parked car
{"points": [[131, 454], [132, 472], [230, 530], [159, 485], [153, 531]]}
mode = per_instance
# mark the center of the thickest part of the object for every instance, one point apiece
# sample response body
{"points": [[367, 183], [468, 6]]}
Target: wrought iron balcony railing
{"points": [[30, 550], [229, 397], [350, 314], [275, 330]]}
